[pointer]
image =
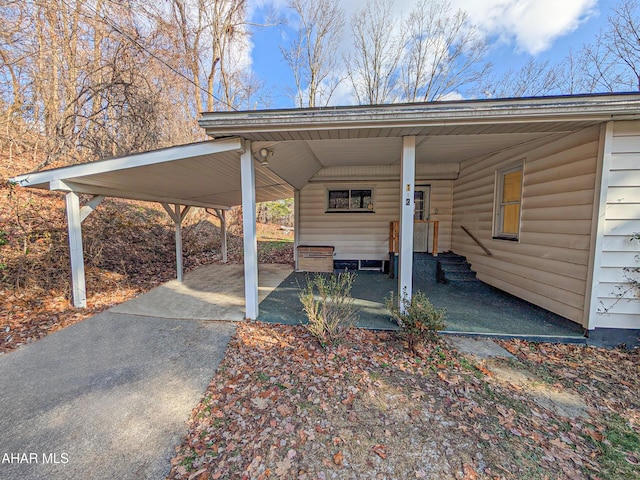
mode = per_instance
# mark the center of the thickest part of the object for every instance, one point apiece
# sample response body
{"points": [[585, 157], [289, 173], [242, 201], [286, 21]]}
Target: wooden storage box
{"points": [[315, 258]]}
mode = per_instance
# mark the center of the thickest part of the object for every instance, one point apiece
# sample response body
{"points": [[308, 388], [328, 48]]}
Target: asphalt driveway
{"points": [[105, 398]]}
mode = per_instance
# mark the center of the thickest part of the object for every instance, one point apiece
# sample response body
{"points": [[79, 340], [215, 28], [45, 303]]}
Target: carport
{"points": [[214, 174]]}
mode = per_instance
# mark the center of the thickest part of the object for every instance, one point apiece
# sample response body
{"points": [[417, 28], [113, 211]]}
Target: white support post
{"points": [[87, 209], [296, 226], [178, 223], [178, 216], [221, 214], [74, 225], [407, 181], [250, 236]]}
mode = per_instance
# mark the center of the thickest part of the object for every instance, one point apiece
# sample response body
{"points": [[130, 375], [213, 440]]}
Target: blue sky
{"points": [[516, 29]]}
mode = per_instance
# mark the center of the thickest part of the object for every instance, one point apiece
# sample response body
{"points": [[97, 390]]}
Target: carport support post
{"points": [[74, 224], [221, 214], [250, 236], [405, 256], [179, 262], [178, 216]]}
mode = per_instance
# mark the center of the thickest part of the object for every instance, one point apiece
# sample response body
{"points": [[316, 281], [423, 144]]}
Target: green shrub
{"points": [[329, 307], [420, 320]]}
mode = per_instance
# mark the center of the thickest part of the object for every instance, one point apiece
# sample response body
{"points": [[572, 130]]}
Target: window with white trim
{"points": [[508, 203], [350, 200]]}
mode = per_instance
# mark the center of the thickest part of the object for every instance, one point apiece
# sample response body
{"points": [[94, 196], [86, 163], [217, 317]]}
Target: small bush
{"points": [[420, 321], [329, 307]]}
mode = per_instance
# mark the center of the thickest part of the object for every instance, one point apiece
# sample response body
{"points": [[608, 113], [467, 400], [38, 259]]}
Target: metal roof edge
{"points": [[600, 107], [40, 179]]}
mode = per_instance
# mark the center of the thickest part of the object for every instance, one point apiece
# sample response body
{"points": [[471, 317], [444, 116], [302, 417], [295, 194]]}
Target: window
{"points": [[508, 201], [350, 200], [421, 202]]}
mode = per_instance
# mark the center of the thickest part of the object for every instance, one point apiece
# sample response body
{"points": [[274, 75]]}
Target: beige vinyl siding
{"points": [[441, 210], [619, 218], [548, 265], [365, 236]]}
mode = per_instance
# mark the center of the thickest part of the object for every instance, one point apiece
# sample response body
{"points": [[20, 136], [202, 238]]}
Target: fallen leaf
{"points": [[201, 474], [380, 450], [338, 458], [283, 467], [469, 472]]}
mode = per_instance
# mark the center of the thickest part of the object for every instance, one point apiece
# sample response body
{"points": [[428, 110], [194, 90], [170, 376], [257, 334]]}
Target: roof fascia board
{"points": [[66, 186], [131, 161], [596, 109]]}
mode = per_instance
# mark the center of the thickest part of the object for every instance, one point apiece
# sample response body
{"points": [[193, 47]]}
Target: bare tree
{"points": [[211, 33], [444, 52], [611, 61], [570, 76], [533, 79], [378, 41], [313, 54], [103, 78], [622, 40]]}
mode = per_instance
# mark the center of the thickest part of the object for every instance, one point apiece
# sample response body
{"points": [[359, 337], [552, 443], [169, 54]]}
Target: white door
{"points": [[421, 203]]}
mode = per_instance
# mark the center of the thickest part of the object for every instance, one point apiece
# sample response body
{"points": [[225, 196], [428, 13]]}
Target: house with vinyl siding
{"points": [[541, 195]]}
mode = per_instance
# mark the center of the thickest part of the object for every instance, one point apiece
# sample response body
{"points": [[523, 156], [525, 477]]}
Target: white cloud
{"points": [[531, 25]]}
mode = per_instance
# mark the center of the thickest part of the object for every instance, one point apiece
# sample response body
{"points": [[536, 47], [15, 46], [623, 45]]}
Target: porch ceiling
{"points": [[304, 141]]}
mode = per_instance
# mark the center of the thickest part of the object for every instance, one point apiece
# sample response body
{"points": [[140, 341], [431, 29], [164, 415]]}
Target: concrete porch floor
{"points": [[472, 308], [216, 292], [211, 292]]}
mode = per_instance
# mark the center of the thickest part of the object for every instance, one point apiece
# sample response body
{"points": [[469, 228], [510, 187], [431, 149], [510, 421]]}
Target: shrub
{"points": [[329, 307], [420, 320]]}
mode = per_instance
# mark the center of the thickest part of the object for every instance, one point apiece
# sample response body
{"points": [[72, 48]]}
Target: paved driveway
{"points": [[106, 398]]}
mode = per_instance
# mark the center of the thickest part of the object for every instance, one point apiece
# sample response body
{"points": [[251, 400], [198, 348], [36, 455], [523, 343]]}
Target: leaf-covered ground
{"points": [[280, 406]]}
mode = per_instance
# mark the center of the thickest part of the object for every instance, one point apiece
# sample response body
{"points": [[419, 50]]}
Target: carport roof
{"points": [[204, 174], [304, 141]]}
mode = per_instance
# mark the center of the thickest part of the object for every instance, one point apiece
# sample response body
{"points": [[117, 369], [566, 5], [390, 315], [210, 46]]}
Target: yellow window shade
{"points": [[512, 187], [510, 218]]}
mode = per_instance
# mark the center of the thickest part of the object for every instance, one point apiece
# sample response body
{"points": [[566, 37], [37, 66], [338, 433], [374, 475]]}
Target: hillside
{"points": [[129, 248]]}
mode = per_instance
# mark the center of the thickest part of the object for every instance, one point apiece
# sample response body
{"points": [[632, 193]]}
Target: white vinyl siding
{"points": [[619, 218], [365, 236], [549, 264]]}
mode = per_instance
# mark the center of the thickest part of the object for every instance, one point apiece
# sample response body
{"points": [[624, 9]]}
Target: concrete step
{"points": [[461, 276], [449, 260], [454, 268]]}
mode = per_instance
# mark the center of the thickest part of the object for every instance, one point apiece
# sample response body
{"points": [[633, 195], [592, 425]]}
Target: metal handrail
{"points": [[486, 250]]}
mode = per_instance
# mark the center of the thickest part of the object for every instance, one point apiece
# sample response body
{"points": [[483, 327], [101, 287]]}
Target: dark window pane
{"points": [[418, 198], [339, 199], [360, 199]]}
